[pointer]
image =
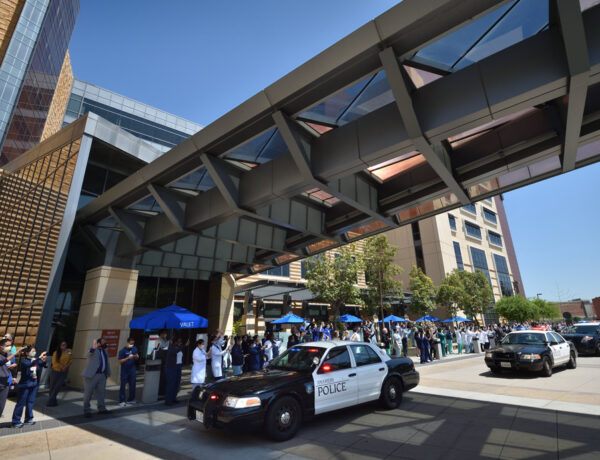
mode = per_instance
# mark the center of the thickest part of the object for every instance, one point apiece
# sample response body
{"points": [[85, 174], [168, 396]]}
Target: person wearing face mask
{"points": [[30, 368], [95, 373], [5, 358], [127, 358], [198, 375], [61, 361]]}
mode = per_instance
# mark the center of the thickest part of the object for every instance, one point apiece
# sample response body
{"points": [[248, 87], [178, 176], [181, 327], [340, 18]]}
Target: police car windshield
{"points": [[297, 359], [524, 339], [587, 329]]}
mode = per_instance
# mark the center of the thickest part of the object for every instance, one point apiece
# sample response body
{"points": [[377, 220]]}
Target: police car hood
{"points": [[257, 382]]}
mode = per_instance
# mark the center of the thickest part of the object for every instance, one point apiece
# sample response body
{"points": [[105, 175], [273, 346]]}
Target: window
{"points": [[557, 338], [473, 230], [363, 355], [458, 254], [490, 200], [337, 359], [503, 275], [470, 208], [282, 270], [452, 221], [303, 268], [495, 239], [480, 263], [490, 216]]}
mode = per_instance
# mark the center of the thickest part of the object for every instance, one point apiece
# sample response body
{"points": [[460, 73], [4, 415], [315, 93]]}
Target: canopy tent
{"points": [[456, 319], [394, 318], [350, 319], [171, 317], [433, 319], [289, 319]]}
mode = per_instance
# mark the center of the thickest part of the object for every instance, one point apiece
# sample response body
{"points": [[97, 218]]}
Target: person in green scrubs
{"points": [[441, 335]]}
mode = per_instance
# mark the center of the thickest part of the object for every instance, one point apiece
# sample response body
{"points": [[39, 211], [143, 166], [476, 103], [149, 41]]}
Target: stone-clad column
{"points": [[106, 304]]}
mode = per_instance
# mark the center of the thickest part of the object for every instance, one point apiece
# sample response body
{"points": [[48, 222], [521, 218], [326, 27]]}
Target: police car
{"points": [[306, 380]]}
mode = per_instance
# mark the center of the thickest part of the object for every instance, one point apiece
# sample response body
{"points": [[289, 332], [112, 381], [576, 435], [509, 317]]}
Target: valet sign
{"points": [[187, 324], [328, 387]]}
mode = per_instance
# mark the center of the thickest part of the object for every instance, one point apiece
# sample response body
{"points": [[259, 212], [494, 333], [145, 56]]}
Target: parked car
{"points": [[585, 337], [306, 380], [537, 351]]}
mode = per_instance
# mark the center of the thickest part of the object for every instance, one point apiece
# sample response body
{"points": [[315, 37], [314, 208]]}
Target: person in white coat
{"points": [[459, 340], [198, 375], [216, 358], [469, 341]]}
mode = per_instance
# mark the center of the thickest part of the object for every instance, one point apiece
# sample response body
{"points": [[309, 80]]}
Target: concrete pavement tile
{"points": [[419, 452], [311, 450], [70, 436], [395, 434], [38, 456], [523, 439], [25, 444], [356, 454], [583, 455], [514, 453], [100, 450], [287, 456], [375, 446]]}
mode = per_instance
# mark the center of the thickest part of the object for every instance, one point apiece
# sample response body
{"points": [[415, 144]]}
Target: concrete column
{"points": [[106, 304], [220, 308], [248, 318]]}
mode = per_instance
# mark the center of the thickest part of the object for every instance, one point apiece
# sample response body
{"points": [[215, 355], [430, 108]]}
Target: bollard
{"points": [[438, 347]]}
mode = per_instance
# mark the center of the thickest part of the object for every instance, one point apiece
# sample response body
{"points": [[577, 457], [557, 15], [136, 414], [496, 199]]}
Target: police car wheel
{"points": [[546, 367], [391, 393], [283, 419], [572, 364]]}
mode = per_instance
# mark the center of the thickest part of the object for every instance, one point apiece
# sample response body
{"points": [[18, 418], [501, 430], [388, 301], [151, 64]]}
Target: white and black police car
{"points": [[306, 380]]}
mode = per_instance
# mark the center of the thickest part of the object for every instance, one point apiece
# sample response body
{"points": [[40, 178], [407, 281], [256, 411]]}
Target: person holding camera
{"points": [[6, 356], [30, 368], [95, 373]]}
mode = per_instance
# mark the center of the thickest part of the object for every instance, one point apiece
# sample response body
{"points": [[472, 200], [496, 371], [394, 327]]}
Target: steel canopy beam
{"points": [[435, 155], [573, 35]]}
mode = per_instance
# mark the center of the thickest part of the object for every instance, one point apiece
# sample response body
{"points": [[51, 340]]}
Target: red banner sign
{"points": [[112, 340]]}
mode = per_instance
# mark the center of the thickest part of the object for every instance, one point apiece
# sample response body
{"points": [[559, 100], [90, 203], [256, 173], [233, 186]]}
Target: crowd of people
{"points": [[225, 355]]}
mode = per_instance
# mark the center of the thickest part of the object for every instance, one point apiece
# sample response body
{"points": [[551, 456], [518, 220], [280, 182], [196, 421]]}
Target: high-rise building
{"points": [[474, 237], [35, 71]]}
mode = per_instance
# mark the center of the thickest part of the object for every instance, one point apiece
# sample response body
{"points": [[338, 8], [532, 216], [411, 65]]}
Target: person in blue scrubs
{"points": [[256, 352], [128, 355], [30, 369]]}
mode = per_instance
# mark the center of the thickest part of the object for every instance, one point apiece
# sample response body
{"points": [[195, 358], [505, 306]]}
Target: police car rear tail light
{"points": [[241, 403]]}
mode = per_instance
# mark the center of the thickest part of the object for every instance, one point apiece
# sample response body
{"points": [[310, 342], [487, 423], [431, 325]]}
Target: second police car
{"points": [[306, 380], [537, 351]]}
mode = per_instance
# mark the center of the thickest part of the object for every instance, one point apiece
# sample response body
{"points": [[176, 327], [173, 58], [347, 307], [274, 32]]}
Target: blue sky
{"points": [[199, 59]]}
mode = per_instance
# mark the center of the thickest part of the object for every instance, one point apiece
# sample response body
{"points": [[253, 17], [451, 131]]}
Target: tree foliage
{"points": [[515, 308], [520, 309], [423, 291], [465, 291], [381, 273], [332, 277], [545, 309]]}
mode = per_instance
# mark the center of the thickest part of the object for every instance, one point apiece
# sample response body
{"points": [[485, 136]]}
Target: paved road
{"points": [[430, 424]]}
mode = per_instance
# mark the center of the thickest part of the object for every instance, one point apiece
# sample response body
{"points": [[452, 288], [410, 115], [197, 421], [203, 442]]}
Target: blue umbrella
{"points": [[433, 319], [171, 317], [396, 319], [289, 319], [350, 319], [456, 319]]}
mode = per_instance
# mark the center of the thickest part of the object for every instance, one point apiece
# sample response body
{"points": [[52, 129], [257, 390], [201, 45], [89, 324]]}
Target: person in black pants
{"points": [[30, 369], [5, 356], [173, 364], [237, 356]]}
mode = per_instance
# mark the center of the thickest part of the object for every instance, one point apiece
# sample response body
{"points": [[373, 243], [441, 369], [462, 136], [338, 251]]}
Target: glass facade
{"points": [[30, 72], [490, 216], [495, 239], [458, 254], [161, 129], [504, 281], [473, 230], [452, 221], [480, 262]]}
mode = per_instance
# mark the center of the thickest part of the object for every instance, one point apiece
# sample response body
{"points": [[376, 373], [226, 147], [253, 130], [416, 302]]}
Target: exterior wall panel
{"points": [[59, 100]]}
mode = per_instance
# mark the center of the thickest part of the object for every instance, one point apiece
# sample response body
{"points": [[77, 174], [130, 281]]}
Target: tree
{"points": [[332, 277], [478, 293], [515, 308], [423, 291], [545, 309], [380, 271], [451, 293]]}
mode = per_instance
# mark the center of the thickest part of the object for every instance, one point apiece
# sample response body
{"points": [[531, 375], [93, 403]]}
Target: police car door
{"points": [[371, 371], [563, 346], [554, 348], [336, 385]]}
